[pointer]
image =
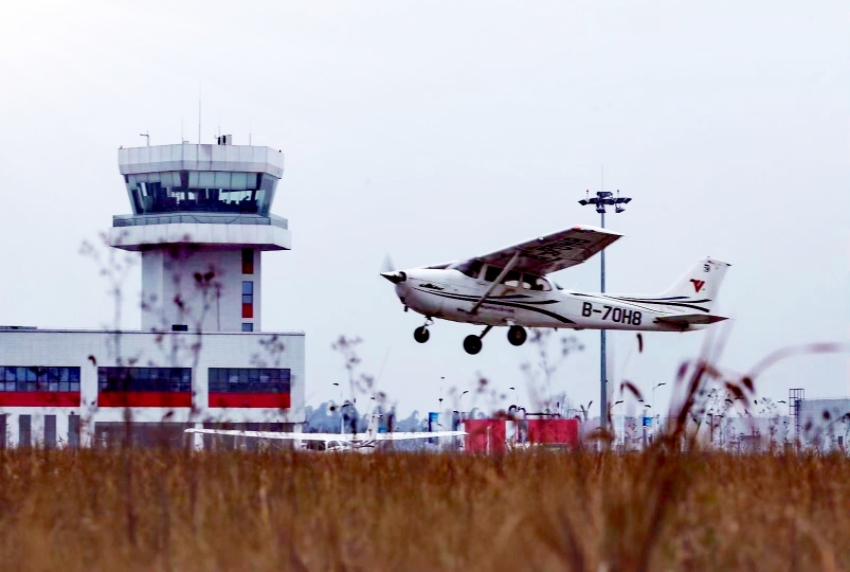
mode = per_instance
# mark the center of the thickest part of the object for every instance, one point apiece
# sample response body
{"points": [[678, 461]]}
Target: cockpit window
{"points": [[514, 280], [537, 283], [492, 273], [470, 268]]}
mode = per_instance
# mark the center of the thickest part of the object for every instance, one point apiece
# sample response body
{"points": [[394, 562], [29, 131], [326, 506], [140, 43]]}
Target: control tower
{"points": [[201, 221]]}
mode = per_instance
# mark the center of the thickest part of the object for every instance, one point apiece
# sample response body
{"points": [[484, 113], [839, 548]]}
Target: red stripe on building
{"points": [[144, 399], [236, 400], [39, 398]]}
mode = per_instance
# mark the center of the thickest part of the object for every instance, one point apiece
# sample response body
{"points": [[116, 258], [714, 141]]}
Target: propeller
{"points": [[389, 272]]}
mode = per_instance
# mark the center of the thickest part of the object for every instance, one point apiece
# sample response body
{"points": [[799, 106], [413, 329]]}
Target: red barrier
{"points": [[485, 435], [553, 431]]}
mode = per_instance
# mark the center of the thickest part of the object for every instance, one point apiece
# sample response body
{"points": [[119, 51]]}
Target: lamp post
{"points": [[616, 403], [515, 394], [460, 404], [600, 201], [654, 387], [341, 422]]}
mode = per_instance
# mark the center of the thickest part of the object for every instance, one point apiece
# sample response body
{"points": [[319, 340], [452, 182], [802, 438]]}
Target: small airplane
{"points": [[360, 442], [509, 288]]}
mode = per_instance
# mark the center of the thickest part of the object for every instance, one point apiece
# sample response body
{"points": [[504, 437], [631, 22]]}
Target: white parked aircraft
{"points": [[360, 442], [509, 288]]}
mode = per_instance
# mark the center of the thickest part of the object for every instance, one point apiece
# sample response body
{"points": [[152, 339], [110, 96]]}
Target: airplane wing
{"points": [[553, 252], [403, 436]]}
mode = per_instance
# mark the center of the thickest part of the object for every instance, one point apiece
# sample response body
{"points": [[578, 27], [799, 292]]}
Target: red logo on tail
{"points": [[698, 284]]}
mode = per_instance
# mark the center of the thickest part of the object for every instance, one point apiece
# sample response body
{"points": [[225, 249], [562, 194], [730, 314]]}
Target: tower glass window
{"points": [[201, 191]]}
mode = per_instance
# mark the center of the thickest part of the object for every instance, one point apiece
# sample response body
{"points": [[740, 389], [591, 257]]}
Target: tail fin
{"points": [[374, 425], [699, 286]]}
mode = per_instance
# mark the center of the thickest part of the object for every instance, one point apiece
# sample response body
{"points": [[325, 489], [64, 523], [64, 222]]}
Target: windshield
{"points": [[470, 268]]}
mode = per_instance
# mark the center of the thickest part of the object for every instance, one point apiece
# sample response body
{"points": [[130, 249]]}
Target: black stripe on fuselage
{"points": [[501, 302], [665, 303]]}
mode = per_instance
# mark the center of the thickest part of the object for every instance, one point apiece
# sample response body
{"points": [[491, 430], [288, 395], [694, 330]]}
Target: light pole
{"points": [[460, 404], [516, 396], [616, 403], [654, 387], [339, 407], [600, 201]]}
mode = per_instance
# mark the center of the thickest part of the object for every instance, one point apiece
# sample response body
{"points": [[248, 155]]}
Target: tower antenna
{"points": [[199, 114]]}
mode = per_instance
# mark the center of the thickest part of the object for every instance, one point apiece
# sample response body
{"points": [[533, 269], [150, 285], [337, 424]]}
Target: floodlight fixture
{"points": [[600, 201]]}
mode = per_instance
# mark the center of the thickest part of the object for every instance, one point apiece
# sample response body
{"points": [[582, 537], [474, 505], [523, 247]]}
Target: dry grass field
{"points": [[658, 510]]}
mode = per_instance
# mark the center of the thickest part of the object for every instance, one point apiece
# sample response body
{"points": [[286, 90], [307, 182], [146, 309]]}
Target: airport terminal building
{"points": [[200, 222]]}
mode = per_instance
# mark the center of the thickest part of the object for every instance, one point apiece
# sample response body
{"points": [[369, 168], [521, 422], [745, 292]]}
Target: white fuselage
{"points": [[451, 295]]}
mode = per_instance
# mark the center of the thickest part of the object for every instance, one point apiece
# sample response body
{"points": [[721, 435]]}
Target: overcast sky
{"points": [[434, 131]]}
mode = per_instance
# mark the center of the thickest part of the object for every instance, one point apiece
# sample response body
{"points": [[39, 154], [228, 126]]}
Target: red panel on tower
{"points": [[249, 400], [247, 310]]}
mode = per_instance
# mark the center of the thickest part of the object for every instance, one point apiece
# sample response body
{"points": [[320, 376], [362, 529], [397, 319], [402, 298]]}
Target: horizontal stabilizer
{"points": [[686, 320]]}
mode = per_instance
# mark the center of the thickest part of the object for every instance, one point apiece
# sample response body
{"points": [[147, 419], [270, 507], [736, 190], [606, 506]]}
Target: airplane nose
{"points": [[394, 277]]}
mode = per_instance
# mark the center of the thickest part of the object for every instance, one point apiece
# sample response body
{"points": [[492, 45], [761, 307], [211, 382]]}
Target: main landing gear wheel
{"points": [[421, 334], [472, 344], [517, 335]]}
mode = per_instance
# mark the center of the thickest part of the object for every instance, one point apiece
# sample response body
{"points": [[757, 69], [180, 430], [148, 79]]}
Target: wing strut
{"points": [[508, 267]]}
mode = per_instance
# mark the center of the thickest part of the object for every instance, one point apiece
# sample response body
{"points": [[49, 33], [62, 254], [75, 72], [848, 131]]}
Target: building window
{"points": [[144, 379], [247, 299], [33, 378], [247, 261], [247, 327], [245, 380], [179, 328], [24, 431]]}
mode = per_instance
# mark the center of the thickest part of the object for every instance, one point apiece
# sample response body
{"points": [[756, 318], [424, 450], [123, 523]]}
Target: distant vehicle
{"points": [[509, 288], [336, 442]]}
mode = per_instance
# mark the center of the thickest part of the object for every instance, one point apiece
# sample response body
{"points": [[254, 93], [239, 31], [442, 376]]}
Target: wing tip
{"points": [[592, 228]]}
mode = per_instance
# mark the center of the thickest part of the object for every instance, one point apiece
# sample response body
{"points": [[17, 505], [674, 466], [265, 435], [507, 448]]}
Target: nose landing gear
{"points": [[421, 334]]}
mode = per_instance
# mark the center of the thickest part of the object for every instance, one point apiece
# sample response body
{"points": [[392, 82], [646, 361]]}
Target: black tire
{"points": [[472, 344], [517, 335], [421, 334]]}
